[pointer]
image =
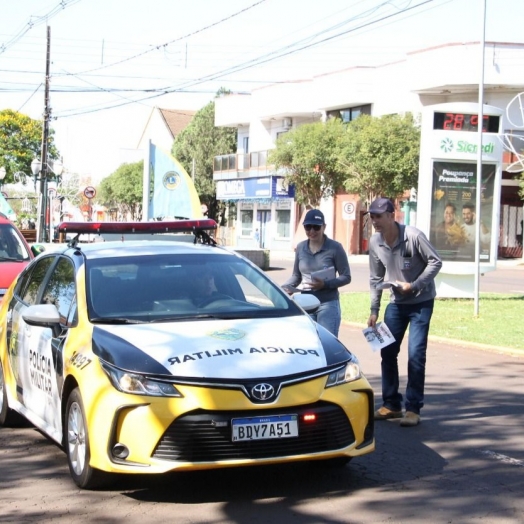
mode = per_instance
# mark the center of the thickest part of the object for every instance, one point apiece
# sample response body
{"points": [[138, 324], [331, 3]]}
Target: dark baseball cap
{"points": [[381, 205], [314, 217]]}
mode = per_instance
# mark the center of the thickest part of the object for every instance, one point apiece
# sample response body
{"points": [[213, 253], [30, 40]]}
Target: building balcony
{"points": [[241, 165]]}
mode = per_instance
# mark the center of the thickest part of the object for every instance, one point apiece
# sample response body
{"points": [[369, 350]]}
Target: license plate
{"points": [[259, 428]]}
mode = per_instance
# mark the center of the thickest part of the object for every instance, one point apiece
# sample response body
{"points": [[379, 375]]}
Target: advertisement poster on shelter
{"points": [[454, 214]]}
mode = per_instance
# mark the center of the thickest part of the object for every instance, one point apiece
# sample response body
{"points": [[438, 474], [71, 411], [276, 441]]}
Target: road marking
{"points": [[503, 458]]}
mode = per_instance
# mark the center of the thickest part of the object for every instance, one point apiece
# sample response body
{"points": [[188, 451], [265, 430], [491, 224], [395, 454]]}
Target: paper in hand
{"points": [[327, 273], [379, 336], [386, 285]]}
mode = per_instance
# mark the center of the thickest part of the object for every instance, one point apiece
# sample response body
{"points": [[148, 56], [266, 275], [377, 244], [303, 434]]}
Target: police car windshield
{"points": [[183, 286]]}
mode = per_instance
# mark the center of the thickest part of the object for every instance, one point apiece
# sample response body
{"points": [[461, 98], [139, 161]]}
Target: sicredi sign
{"points": [[451, 145]]}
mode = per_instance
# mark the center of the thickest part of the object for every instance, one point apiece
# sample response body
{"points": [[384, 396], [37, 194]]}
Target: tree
{"points": [[380, 156], [123, 190], [200, 142], [309, 156], [21, 142]]}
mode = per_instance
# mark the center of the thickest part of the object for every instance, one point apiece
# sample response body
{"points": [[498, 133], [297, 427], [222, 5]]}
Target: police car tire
{"points": [[4, 406], [76, 443], [8, 417]]}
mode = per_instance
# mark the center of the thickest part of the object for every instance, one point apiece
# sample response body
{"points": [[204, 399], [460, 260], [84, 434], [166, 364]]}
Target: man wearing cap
{"points": [[320, 253], [402, 255]]}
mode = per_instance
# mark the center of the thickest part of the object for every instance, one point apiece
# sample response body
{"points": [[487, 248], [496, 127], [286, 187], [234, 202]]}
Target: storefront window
{"points": [[246, 217], [283, 223]]}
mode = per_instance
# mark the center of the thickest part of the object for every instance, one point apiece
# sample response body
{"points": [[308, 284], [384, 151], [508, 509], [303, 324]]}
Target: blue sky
{"points": [[112, 59]]}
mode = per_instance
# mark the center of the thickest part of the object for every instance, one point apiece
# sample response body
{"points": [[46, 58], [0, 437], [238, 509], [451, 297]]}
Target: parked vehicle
{"points": [[15, 253], [149, 356]]}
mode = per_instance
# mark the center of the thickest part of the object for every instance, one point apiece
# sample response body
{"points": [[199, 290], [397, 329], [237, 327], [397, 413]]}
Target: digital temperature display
{"points": [[465, 122]]}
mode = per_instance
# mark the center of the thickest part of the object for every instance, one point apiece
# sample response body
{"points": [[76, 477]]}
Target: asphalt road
{"points": [[463, 464]]}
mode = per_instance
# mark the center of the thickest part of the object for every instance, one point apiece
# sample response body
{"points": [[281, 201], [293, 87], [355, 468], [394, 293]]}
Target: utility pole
{"points": [[42, 233]]}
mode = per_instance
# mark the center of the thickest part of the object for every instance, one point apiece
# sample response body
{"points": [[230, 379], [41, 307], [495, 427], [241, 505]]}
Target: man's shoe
{"points": [[410, 419], [385, 413]]}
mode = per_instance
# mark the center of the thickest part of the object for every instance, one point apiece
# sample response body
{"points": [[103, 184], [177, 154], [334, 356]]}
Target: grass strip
{"points": [[499, 322]]}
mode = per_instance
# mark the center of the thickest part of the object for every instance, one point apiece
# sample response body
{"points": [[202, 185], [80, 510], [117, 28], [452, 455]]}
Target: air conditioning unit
{"points": [[287, 122]]}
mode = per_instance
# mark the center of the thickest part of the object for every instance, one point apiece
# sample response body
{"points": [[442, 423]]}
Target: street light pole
{"points": [[42, 233]]}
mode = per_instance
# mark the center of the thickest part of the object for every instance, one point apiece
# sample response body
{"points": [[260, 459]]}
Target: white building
{"points": [[448, 73]]}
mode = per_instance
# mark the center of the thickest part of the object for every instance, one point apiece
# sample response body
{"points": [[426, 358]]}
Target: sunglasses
{"points": [[310, 227]]}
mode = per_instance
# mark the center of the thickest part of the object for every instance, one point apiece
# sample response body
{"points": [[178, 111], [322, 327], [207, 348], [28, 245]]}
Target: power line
{"points": [[273, 55], [160, 46], [37, 20]]}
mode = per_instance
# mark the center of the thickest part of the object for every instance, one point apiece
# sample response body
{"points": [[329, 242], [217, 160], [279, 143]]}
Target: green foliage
{"points": [[309, 156], [21, 142], [123, 190], [380, 156], [200, 142]]}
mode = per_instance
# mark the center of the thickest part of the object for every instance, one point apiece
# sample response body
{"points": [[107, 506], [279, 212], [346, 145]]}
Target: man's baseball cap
{"points": [[314, 217], [381, 205]]}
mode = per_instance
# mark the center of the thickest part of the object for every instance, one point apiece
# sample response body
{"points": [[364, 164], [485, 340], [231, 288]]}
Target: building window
{"points": [[350, 113], [283, 223], [246, 218], [245, 144]]}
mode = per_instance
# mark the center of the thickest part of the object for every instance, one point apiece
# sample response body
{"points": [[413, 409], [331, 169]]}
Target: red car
{"points": [[15, 253]]}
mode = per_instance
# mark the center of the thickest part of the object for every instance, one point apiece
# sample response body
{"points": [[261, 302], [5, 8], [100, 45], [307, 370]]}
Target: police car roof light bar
{"points": [[171, 226]]}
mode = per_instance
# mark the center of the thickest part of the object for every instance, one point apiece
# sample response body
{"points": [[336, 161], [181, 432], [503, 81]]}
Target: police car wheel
{"points": [[76, 440], [8, 417], [4, 407]]}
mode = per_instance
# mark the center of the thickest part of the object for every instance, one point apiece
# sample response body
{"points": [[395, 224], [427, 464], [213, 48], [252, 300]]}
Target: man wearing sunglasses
{"points": [[402, 255], [321, 267]]}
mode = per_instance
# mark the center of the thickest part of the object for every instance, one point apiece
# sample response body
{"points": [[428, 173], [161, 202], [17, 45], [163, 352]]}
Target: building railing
{"points": [[239, 162]]}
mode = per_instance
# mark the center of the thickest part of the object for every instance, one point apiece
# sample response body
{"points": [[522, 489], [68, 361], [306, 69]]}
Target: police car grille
{"points": [[204, 436]]}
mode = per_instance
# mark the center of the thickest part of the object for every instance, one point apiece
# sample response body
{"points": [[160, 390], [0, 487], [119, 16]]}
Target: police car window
{"points": [[30, 292], [61, 289]]}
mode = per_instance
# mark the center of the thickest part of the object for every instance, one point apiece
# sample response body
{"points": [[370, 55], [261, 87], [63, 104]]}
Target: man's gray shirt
{"points": [[412, 259], [331, 254]]}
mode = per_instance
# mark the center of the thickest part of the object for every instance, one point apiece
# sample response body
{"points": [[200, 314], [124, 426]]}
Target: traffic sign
{"points": [[348, 210], [90, 192]]}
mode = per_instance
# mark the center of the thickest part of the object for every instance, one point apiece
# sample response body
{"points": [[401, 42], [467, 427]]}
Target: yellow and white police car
{"points": [[159, 355]]}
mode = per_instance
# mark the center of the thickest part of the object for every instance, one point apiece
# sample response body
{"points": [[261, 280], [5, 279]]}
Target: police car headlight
{"points": [[137, 384], [349, 373]]}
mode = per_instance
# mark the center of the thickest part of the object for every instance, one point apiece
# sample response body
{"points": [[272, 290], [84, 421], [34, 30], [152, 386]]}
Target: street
{"points": [[463, 464]]}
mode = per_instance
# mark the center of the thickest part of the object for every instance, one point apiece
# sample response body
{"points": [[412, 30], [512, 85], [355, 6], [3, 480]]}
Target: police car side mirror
{"points": [[43, 315], [307, 302]]}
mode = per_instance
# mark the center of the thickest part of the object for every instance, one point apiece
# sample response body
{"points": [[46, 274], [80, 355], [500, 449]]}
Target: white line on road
{"points": [[503, 458]]}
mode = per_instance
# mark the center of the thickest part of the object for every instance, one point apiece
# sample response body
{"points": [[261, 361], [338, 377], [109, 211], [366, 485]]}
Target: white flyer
{"points": [[379, 336]]}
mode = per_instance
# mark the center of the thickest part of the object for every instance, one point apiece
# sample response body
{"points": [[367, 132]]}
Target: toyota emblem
{"points": [[263, 391]]}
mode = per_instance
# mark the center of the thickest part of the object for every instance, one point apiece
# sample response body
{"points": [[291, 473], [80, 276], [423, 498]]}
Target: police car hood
{"points": [[235, 349]]}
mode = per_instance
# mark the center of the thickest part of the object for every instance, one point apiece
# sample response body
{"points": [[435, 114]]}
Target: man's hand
{"points": [[403, 288], [372, 320]]}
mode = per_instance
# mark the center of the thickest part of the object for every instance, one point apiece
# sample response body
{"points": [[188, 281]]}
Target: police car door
{"points": [[21, 336], [41, 350]]}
